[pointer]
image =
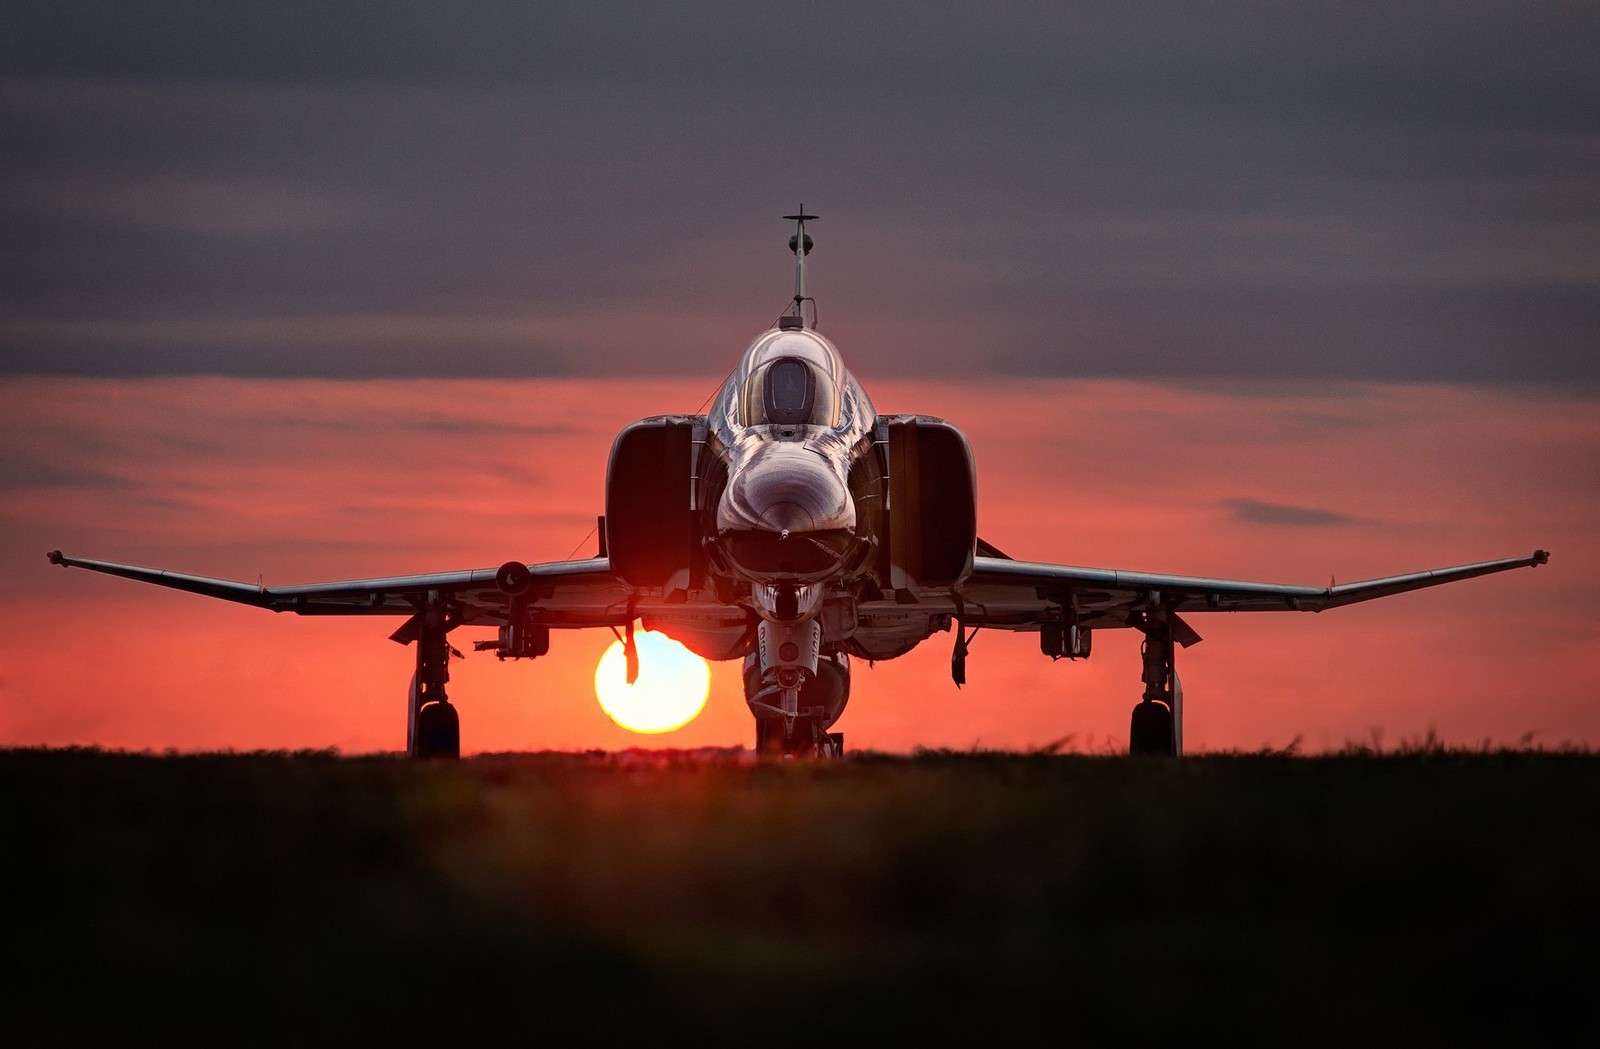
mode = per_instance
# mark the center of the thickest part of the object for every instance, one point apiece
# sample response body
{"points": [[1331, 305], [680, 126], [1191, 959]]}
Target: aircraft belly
{"points": [[717, 643], [886, 631]]}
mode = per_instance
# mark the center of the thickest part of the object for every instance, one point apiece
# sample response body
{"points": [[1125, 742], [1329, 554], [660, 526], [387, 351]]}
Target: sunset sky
{"points": [[1280, 291]]}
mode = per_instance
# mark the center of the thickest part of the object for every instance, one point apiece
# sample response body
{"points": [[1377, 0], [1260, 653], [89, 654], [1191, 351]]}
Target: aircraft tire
{"points": [[438, 732], [1150, 731], [808, 741], [769, 735]]}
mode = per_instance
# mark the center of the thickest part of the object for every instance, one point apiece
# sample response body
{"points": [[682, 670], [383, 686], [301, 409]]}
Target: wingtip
{"points": [[56, 558]]}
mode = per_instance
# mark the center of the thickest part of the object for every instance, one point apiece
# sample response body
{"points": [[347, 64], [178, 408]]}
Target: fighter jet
{"points": [[795, 528]]}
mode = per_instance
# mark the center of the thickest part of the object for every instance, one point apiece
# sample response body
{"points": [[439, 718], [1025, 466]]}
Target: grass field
{"points": [[1415, 898]]}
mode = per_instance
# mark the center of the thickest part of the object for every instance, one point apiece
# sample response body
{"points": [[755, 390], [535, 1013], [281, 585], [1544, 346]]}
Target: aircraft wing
{"points": [[561, 593], [1005, 593], [1000, 592]]}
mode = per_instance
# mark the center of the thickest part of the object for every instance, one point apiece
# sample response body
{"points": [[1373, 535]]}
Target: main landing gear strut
{"points": [[433, 729], [1157, 724]]}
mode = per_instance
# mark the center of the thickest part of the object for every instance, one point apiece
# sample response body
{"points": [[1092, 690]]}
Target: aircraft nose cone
{"points": [[786, 489]]}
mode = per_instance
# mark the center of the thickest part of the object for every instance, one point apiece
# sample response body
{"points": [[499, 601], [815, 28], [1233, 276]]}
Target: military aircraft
{"points": [[793, 527]]}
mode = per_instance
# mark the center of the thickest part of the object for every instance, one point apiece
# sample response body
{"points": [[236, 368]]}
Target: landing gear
{"points": [[1157, 724], [438, 732], [1151, 729], [796, 691], [433, 728], [803, 738]]}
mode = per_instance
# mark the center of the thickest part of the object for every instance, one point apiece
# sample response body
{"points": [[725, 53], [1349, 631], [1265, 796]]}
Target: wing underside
{"points": [[1013, 594], [561, 593], [1000, 593]]}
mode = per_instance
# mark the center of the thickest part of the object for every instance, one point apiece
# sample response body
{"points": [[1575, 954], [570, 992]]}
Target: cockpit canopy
{"points": [[790, 391]]}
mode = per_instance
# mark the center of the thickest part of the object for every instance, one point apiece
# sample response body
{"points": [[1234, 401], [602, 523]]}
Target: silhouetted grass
{"points": [[1419, 896]]}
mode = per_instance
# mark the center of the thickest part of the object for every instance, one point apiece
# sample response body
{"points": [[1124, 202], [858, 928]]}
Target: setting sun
{"points": [[671, 690]]}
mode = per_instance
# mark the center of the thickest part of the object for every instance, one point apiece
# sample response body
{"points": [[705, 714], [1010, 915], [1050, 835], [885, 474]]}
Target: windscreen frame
{"points": [[766, 403]]}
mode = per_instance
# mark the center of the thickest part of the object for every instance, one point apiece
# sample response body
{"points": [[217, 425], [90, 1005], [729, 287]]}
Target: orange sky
{"points": [[301, 480]]}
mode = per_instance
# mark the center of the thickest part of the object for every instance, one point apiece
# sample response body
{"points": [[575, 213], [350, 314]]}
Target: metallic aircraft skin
{"points": [[789, 473], [797, 571]]}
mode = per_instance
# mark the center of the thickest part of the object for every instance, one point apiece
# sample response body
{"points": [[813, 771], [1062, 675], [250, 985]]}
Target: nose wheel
{"points": [[803, 737]]}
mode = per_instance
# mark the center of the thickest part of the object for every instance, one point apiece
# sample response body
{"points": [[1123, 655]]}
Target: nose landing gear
{"points": [[800, 737], [796, 691]]}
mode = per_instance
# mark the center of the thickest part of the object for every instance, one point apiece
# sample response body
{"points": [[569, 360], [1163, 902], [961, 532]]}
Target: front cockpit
{"points": [[790, 391], [787, 378]]}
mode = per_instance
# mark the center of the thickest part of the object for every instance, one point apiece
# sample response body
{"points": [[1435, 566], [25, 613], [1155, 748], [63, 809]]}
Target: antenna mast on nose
{"points": [[800, 244]]}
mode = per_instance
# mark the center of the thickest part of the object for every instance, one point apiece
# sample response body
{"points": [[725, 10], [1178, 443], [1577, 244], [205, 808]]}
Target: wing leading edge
{"points": [[576, 593]]}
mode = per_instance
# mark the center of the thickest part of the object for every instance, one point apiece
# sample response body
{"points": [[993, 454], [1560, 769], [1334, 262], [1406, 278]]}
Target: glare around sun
{"points": [[671, 691]]}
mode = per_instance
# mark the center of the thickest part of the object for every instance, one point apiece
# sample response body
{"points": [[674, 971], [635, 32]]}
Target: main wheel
{"points": [[1151, 730], [438, 732]]}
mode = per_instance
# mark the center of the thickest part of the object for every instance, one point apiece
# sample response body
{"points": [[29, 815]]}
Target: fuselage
{"points": [[786, 430]]}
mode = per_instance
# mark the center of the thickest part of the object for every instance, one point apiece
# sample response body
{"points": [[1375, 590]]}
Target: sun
{"points": [[671, 690]]}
